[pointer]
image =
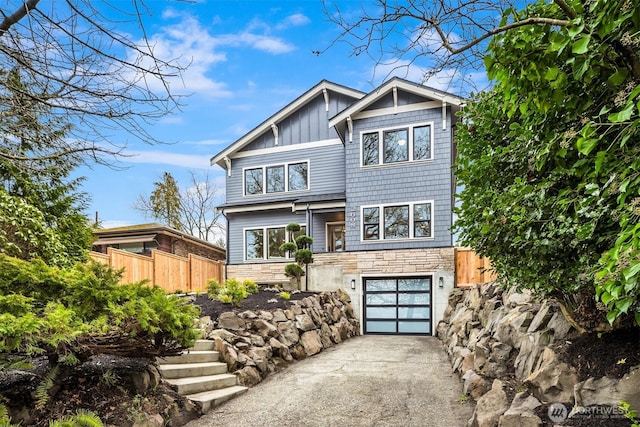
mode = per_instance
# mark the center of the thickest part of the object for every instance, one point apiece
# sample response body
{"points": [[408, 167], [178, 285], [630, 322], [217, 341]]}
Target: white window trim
{"points": [[265, 249], [411, 222], [286, 178], [380, 132]]}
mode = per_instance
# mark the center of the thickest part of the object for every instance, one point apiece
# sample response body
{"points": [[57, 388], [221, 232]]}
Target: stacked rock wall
{"points": [[501, 343], [256, 344]]}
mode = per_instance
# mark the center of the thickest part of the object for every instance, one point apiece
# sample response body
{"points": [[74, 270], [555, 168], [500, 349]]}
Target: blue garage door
{"points": [[397, 306]]}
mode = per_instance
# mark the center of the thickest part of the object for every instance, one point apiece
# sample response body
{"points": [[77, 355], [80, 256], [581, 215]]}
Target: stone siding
{"points": [[257, 344]]}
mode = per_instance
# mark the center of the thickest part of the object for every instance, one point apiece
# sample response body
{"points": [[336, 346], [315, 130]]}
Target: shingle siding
{"points": [[402, 182]]}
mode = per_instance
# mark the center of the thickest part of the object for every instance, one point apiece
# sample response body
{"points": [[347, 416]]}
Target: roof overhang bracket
{"points": [[274, 128], [350, 128], [325, 92], [227, 162], [444, 115], [395, 99]]}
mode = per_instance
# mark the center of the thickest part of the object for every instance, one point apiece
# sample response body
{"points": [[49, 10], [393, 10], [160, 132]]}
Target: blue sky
{"points": [[247, 60]]}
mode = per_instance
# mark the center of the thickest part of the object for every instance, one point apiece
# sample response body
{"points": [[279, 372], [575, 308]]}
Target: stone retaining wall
{"points": [[256, 344], [501, 343]]}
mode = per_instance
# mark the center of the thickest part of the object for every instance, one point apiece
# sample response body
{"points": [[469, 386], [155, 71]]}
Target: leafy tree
{"points": [[41, 207], [549, 159], [86, 65], [300, 249], [164, 202], [191, 210]]}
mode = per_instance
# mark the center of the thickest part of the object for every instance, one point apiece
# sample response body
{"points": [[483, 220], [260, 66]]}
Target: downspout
{"points": [[226, 244], [308, 215]]}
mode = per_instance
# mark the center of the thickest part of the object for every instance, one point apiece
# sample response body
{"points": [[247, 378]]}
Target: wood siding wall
{"points": [[471, 269], [170, 272]]}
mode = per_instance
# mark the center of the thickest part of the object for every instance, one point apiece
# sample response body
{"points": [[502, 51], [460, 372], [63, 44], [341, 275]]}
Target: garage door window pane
{"points": [[414, 299], [381, 312], [414, 312], [414, 327], [381, 299], [381, 326], [381, 285], [414, 284]]}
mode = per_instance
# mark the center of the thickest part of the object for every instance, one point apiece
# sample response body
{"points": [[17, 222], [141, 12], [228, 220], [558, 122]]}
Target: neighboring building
{"points": [[141, 239], [369, 178]]}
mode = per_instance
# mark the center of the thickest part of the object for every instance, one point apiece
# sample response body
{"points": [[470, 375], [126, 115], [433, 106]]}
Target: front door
{"points": [[335, 237]]}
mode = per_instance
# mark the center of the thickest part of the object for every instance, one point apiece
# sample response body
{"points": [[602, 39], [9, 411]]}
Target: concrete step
{"points": [[210, 399], [202, 345], [191, 356], [182, 370], [192, 385]]}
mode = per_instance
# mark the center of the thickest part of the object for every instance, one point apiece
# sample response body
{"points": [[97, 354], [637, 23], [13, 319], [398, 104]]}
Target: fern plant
{"points": [[82, 418]]}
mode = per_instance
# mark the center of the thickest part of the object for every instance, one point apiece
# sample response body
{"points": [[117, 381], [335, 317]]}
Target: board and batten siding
{"points": [[309, 123], [326, 172], [401, 182]]}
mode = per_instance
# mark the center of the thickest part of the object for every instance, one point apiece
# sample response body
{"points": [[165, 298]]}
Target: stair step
{"points": [[202, 345], [210, 399], [192, 385], [182, 370], [192, 356]]}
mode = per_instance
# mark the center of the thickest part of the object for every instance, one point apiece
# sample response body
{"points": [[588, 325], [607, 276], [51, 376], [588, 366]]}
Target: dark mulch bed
{"points": [[610, 354], [263, 300]]}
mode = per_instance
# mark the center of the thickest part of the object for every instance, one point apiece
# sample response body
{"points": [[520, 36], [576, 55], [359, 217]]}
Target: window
{"points": [[371, 223], [422, 220], [398, 221], [257, 249], [370, 150], [276, 178], [253, 181], [413, 143], [255, 244], [298, 176], [396, 148]]}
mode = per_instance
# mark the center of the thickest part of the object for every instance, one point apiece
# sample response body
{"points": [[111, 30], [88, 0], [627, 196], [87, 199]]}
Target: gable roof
{"points": [[398, 83], [280, 115]]}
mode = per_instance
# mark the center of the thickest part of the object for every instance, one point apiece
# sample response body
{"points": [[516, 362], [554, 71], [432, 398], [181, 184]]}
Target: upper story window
{"points": [[397, 221], [406, 144], [276, 178]]}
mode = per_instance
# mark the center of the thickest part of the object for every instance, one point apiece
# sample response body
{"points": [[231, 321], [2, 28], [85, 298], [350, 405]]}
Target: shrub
{"points": [[300, 250], [213, 288], [285, 295], [233, 291]]}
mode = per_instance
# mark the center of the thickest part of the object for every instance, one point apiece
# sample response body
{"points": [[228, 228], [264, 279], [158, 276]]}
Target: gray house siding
{"points": [[402, 182], [307, 124], [326, 173], [238, 222]]}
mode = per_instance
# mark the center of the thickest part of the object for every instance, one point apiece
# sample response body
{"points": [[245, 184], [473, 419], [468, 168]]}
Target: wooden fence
{"points": [[471, 269], [170, 272]]}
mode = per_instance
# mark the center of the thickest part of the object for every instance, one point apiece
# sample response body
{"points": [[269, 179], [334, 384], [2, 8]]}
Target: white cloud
{"points": [[295, 20], [191, 46], [261, 42], [191, 161]]}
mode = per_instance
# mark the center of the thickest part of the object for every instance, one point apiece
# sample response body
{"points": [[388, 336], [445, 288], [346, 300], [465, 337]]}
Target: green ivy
{"points": [[548, 160]]}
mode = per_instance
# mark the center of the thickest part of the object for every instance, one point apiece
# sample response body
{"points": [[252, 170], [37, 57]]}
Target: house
{"points": [[143, 238], [368, 176]]}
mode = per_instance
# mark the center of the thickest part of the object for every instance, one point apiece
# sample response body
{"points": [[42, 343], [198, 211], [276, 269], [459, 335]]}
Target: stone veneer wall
{"points": [[494, 337], [256, 344], [337, 270]]}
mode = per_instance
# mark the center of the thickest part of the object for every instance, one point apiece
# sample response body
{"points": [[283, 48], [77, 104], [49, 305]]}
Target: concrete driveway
{"points": [[369, 380]]}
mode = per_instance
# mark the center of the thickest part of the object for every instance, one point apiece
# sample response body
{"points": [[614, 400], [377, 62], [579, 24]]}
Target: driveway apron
{"points": [[369, 380]]}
